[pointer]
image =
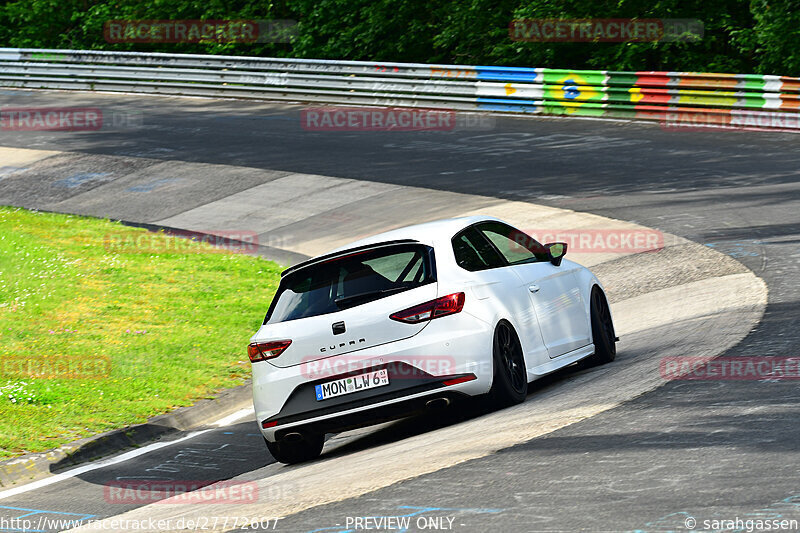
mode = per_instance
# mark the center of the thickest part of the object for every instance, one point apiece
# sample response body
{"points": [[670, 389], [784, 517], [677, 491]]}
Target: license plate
{"points": [[343, 386]]}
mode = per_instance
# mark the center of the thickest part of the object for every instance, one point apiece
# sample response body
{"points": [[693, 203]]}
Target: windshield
{"points": [[351, 280]]}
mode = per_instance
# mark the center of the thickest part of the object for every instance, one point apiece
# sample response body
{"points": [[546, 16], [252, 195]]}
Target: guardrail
{"points": [[739, 100]]}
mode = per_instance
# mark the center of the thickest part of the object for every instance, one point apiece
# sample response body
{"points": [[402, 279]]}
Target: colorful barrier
{"points": [[693, 98]]}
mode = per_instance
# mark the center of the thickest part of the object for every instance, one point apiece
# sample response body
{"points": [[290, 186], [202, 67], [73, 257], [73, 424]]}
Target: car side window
{"points": [[516, 247], [473, 252]]}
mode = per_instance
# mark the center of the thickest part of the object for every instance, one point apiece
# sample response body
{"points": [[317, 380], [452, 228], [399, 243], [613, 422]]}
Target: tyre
{"points": [[605, 348], [510, 382], [291, 451]]}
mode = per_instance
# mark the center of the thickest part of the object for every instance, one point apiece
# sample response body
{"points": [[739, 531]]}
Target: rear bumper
{"points": [[353, 416], [420, 366]]}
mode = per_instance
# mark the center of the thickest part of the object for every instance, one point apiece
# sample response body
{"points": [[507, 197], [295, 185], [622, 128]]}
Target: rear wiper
{"points": [[344, 301]]}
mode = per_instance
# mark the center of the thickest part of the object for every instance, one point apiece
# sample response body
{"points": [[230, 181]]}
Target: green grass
{"points": [[97, 335]]}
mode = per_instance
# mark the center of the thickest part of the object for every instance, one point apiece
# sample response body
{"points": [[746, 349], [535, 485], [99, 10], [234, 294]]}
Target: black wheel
{"points": [[510, 383], [605, 348], [291, 451]]}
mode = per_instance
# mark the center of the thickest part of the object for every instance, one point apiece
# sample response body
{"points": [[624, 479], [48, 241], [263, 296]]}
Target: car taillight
{"points": [[446, 305], [258, 351], [461, 379]]}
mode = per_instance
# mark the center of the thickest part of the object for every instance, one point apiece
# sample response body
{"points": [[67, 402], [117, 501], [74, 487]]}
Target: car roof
{"points": [[426, 233]]}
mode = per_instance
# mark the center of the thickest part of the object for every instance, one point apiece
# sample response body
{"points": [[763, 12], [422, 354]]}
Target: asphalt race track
{"points": [[705, 450]]}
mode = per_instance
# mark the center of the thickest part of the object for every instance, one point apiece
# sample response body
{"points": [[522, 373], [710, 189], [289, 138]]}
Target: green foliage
{"points": [[740, 36], [775, 37]]}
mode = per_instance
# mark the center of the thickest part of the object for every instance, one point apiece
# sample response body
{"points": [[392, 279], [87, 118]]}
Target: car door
{"points": [[553, 290], [491, 275]]}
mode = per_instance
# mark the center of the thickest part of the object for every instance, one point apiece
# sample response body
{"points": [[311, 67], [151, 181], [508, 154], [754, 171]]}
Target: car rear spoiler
{"points": [[342, 253]]}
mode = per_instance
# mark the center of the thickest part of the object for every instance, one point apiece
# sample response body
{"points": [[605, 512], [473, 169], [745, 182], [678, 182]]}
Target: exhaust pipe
{"points": [[437, 403], [293, 437]]}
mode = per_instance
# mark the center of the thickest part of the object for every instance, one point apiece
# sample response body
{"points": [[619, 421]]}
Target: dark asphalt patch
{"points": [[54, 179], [217, 455]]}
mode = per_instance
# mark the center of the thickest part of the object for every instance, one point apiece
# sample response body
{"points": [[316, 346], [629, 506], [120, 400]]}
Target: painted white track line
{"points": [[225, 421]]}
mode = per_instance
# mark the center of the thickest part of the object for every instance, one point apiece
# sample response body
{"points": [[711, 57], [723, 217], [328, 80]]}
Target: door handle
{"points": [[533, 288]]}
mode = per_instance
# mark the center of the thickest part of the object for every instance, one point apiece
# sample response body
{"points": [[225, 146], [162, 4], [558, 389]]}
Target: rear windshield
{"points": [[351, 280]]}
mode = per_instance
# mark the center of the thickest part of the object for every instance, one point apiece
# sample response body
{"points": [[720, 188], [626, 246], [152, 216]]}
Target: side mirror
{"points": [[556, 251]]}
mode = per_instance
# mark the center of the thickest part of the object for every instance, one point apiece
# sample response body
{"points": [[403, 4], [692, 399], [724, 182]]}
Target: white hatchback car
{"points": [[417, 318]]}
